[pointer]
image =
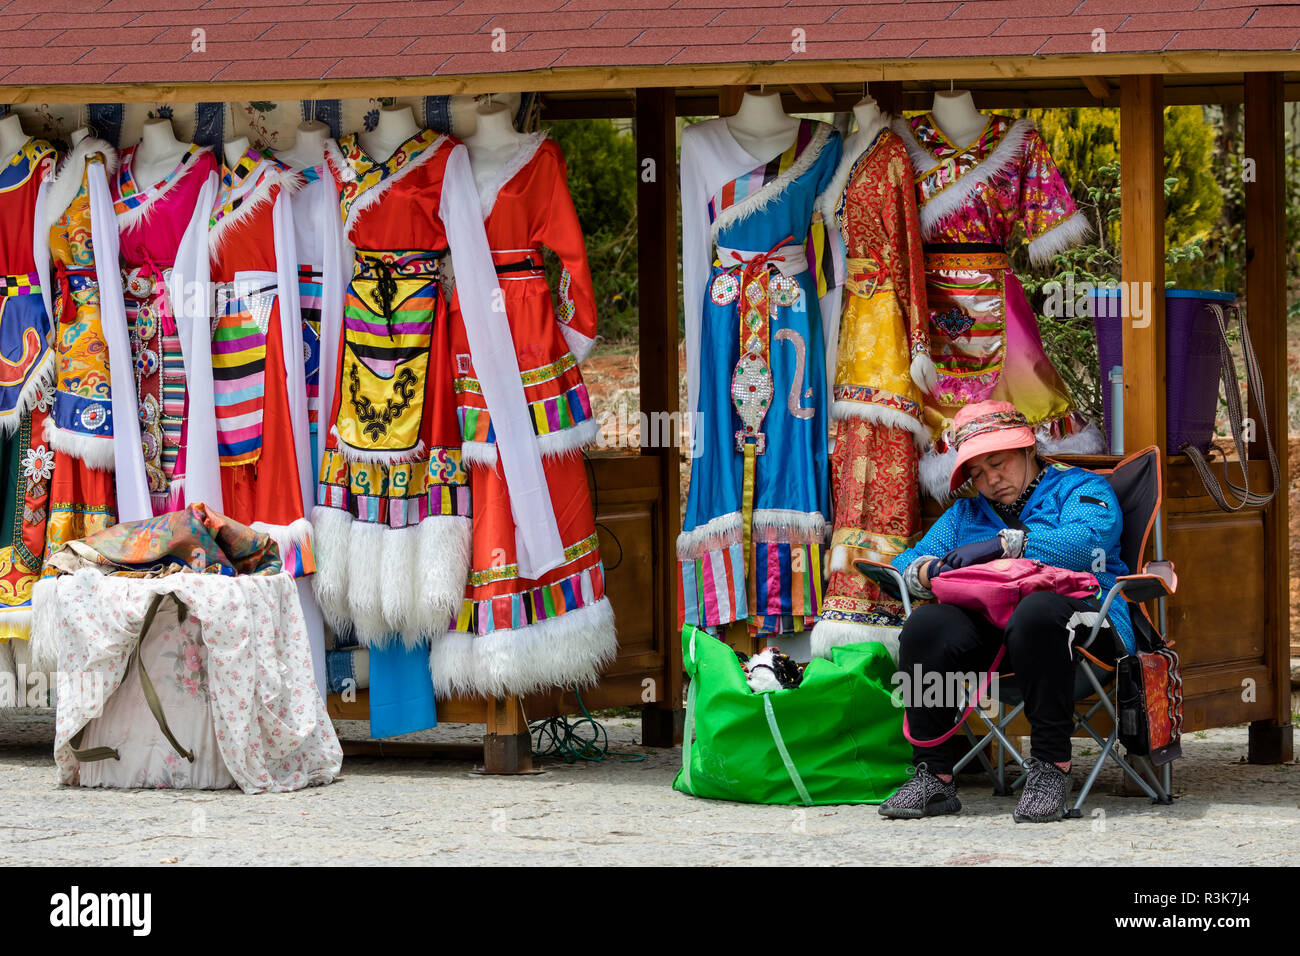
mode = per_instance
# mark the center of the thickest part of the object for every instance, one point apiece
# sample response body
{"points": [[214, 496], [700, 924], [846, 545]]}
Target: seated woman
{"points": [[1057, 514]]}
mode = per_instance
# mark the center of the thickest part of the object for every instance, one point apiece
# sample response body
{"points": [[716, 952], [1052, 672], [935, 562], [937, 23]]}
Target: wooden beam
{"points": [[670, 75], [655, 129], [813, 93], [1142, 227], [1271, 741], [1097, 86]]}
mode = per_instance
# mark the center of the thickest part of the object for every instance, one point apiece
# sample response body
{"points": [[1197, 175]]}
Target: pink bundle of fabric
{"points": [[996, 587]]}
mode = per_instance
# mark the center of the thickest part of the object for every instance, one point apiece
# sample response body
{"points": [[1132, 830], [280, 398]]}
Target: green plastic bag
{"points": [[836, 738]]}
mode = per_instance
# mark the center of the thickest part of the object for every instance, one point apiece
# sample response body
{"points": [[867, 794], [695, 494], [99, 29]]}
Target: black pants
{"points": [[944, 639]]}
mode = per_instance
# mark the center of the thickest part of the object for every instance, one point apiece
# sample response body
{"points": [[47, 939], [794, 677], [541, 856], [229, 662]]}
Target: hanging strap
{"points": [[785, 754], [983, 690], [146, 686], [688, 727], [1254, 385]]}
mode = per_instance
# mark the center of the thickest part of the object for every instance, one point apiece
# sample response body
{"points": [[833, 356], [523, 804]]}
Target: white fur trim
{"points": [[441, 572], [879, 415], [579, 344], [561, 651], [830, 634], [1060, 237], [135, 216], [397, 568], [952, 200], [855, 147], [372, 195], [377, 457], [923, 373], [297, 532], [812, 522], [42, 378], [331, 536], [269, 177], [96, 451], [567, 441], [366, 581], [335, 159], [45, 630], [709, 536], [67, 181], [528, 146], [935, 473], [839, 559], [1089, 441], [758, 201]]}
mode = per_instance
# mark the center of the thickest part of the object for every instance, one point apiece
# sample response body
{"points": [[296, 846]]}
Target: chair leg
{"points": [[1108, 750]]}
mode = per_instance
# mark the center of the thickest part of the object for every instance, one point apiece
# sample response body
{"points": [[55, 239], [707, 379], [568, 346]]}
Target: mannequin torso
{"points": [[493, 142], [761, 127], [158, 153], [394, 128], [869, 119], [12, 137], [957, 117], [308, 148]]}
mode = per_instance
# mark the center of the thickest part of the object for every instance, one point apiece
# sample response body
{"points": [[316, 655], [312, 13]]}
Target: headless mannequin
{"points": [[493, 142], [12, 137], [234, 151], [308, 148], [78, 135], [957, 116], [394, 128], [761, 127], [158, 153], [867, 110]]}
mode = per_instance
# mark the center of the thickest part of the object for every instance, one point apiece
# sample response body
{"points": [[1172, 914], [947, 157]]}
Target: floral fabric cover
{"points": [[242, 650]]}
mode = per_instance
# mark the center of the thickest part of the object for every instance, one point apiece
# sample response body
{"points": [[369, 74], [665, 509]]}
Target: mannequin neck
{"points": [[12, 136], [868, 113], [495, 129], [394, 128], [308, 147], [957, 116], [78, 135], [158, 153], [235, 150], [761, 127]]}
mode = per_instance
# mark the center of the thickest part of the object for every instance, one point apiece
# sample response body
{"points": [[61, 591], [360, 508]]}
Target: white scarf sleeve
{"points": [[695, 266], [286, 261], [537, 539], [190, 294], [129, 479], [336, 270]]}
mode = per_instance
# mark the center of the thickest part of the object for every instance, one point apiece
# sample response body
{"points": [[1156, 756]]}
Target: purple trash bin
{"points": [[1191, 360]]}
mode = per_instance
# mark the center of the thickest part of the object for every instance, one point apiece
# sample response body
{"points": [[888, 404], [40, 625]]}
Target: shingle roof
{"points": [[185, 41]]}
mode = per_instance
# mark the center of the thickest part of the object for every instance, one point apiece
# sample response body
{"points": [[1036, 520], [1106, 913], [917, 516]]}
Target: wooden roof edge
{"points": [[809, 72]]}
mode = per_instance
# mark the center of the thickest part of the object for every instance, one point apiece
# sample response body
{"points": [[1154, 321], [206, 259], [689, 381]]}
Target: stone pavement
{"points": [[400, 810]]}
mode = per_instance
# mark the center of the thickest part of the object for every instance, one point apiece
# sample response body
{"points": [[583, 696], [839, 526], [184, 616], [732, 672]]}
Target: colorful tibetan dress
{"points": [[92, 426], [261, 400], [515, 633], [163, 237], [984, 337], [392, 522], [756, 330], [884, 335], [26, 373]]}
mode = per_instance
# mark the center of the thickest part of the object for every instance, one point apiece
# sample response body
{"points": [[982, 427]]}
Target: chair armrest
{"points": [[888, 579], [1157, 580]]}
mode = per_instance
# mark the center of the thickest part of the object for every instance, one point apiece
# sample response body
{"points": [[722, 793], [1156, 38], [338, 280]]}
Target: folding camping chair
{"points": [[1137, 485]]}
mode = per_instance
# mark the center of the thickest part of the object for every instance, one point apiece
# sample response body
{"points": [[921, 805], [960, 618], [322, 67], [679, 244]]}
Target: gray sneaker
{"points": [[925, 795], [1046, 793]]}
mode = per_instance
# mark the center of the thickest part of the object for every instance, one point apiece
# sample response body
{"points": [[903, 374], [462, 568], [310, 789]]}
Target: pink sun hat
{"points": [[985, 427]]}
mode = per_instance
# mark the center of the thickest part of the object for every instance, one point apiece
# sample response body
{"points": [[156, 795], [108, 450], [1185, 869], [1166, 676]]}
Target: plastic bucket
{"points": [[1191, 360]]}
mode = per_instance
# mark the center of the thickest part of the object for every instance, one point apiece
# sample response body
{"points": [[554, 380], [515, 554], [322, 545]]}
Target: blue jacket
{"points": [[1071, 514]]}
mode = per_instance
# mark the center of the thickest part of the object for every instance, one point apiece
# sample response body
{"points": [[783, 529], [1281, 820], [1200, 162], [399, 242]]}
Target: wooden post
{"points": [[656, 207], [507, 745], [1271, 740], [888, 95], [729, 98], [1142, 224]]}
